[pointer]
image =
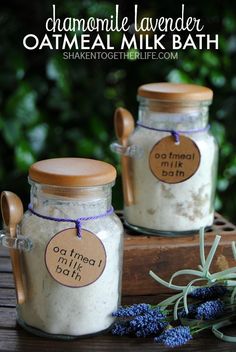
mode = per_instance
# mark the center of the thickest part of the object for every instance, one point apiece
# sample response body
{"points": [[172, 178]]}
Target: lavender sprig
{"points": [[192, 309], [175, 337], [131, 311], [207, 293], [148, 324], [210, 306], [210, 309], [121, 329], [152, 321]]}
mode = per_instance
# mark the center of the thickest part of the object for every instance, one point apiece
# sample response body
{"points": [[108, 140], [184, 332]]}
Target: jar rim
{"points": [[72, 192]]}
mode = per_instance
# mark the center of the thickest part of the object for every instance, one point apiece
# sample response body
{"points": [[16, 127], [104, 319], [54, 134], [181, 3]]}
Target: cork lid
{"points": [[72, 172], [175, 92]]}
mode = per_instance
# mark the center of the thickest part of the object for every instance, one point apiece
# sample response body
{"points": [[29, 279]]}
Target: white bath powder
{"points": [[57, 309], [177, 207]]}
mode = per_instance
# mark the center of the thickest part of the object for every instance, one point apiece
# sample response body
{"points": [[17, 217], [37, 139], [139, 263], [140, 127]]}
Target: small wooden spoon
{"points": [[12, 212], [124, 126]]}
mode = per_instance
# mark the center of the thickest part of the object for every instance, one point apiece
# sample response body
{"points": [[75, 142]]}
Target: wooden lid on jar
{"points": [[176, 92], [72, 172]]}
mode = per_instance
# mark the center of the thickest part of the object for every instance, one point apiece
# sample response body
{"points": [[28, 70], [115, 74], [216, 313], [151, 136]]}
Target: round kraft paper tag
{"points": [[173, 162], [74, 261]]}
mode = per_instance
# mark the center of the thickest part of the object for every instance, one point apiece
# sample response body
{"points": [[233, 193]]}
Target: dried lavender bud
{"points": [[132, 311], [210, 309], [175, 337]]}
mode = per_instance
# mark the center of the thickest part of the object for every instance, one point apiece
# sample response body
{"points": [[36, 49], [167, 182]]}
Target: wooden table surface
{"points": [[14, 338]]}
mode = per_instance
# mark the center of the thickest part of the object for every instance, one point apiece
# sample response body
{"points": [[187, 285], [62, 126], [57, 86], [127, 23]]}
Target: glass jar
{"points": [[170, 205], [70, 296]]}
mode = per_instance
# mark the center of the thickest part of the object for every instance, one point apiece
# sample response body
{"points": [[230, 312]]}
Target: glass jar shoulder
{"points": [[146, 138], [41, 230]]}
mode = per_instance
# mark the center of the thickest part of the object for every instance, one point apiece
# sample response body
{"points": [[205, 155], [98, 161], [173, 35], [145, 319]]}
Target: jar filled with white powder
{"points": [[171, 161], [72, 274]]}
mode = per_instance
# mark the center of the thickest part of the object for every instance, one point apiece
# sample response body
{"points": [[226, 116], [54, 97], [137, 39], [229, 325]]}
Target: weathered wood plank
{"points": [[164, 258], [5, 265], [7, 318], [6, 280], [14, 338], [7, 297], [21, 341], [4, 252], [165, 255]]}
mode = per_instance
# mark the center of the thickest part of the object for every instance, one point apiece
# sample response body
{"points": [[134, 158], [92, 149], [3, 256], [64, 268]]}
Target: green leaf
{"points": [[218, 131], [22, 105], [11, 131], [100, 9], [57, 70], [210, 59], [217, 78], [99, 129], [23, 156], [86, 147], [132, 54], [37, 137], [229, 22], [178, 76], [222, 184]]}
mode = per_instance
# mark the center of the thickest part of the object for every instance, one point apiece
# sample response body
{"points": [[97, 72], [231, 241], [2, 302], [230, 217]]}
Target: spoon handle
{"points": [[12, 212], [16, 268], [124, 126], [126, 180]]}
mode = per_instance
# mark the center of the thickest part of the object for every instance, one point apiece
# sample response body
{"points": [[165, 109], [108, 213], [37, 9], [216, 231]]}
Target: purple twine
{"points": [[77, 222], [175, 133]]}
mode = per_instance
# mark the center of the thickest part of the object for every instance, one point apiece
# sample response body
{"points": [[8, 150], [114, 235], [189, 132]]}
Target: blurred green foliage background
{"points": [[50, 107]]}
